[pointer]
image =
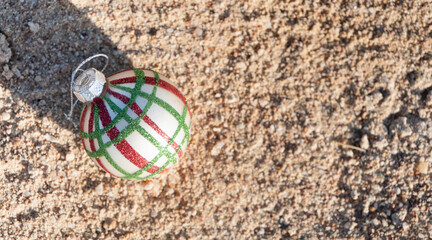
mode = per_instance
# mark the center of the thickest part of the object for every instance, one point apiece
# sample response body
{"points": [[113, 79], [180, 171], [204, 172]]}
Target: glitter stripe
{"points": [[123, 80], [104, 116], [137, 110]]}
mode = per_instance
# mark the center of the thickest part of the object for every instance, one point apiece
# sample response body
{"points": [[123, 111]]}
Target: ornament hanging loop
{"points": [[89, 82]]}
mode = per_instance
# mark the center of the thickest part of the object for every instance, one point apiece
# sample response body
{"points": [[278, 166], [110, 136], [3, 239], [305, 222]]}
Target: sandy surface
{"points": [[310, 120]]}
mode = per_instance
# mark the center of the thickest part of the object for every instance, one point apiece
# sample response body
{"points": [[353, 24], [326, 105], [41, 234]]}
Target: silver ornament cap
{"points": [[88, 85]]}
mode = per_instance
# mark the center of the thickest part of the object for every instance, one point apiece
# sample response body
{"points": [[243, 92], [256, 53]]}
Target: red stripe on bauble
{"points": [[129, 152], [119, 96], [123, 80], [125, 100], [166, 85]]}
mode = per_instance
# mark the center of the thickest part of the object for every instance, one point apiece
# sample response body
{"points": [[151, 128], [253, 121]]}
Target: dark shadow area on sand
{"points": [[45, 58]]}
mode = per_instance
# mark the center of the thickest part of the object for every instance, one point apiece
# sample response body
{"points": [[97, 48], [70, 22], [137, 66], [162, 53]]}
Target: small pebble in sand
{"points": [[99, 189], [70, 156], [34, 27], [199, 31], [364, 142], [16, 71], [5, 116], [263, 102], [110, 224], [217, 148], [149, 186], [7, 73], [423, 167], [154, 214], [380, 145], [5, 51]]}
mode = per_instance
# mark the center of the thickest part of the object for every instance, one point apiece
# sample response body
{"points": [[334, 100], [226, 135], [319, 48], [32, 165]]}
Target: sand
{"points": [[311, 120]]}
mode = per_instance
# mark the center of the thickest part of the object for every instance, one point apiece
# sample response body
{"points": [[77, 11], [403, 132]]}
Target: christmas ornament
{"points": [[135, 124]]}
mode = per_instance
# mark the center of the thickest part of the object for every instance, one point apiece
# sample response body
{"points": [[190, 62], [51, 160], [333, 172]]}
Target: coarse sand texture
{"points": [[305, 119]]}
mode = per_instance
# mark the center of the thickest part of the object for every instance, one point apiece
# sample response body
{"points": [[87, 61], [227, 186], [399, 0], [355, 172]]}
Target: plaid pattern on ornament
{"points": [[138, 128]]}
